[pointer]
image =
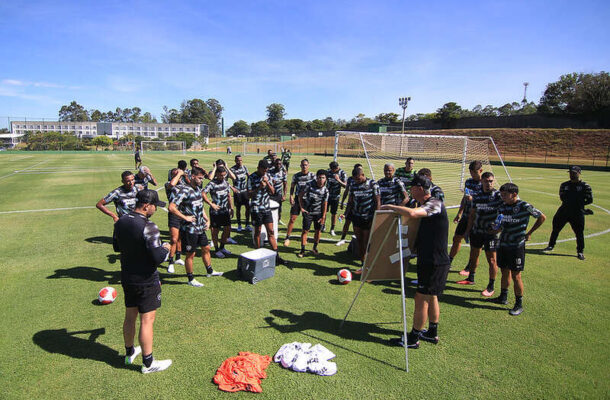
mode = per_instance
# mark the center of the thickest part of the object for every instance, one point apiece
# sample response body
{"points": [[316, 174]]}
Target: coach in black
{"points": [[137, 239], [432, 260], [575, 195]]}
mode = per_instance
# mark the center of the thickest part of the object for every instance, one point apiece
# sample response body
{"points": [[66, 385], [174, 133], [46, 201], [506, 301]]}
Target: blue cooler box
{"points": [[256, 265]]}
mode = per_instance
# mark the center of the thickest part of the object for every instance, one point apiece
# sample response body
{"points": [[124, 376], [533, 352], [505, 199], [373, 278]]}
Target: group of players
{"points": [[492, 220]]}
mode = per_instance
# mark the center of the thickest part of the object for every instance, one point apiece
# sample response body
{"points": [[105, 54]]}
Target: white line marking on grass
{"points": [[46, 209], [25, 169]]}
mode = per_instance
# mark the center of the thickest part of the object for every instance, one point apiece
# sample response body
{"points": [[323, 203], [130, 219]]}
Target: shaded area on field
{"points": [[99, 239], [60, 341], [88, 273], [317, 321], [547, 253]]}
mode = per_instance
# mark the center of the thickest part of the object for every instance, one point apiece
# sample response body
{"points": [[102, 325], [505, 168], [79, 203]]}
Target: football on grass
{"points": [[107, 295], [344, 276]]}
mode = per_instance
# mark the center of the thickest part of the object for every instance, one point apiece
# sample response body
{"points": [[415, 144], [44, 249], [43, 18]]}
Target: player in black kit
{"points": [[575, 195], [240, 191], [299, 182], [313, 202], [124, 197]]}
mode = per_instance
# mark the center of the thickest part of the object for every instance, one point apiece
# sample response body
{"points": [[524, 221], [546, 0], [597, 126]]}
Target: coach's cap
{"points": [[575, 168], [147, 196], [421, 180]]}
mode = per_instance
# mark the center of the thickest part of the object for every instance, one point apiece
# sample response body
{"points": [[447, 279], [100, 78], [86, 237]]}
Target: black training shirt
{"points": [[139, 242], [432, 234]]}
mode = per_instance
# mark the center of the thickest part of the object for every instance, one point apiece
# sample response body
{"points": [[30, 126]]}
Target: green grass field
{"points": [[55, 342]]}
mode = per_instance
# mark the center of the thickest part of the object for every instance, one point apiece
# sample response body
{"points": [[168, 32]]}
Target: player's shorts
{"points": [[241, 198], [220, 220], [460, 229], [362, 222], [431, 279], [286, 164], [309, 218], [333, 205], [512, 258], [295, 209], [259, 218], [277, 198], [146, 298], [173, 221], [191, 241], [483, 240]]}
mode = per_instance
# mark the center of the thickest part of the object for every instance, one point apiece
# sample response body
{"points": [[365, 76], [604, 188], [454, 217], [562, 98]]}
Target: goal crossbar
{"points": [[163, 145]]}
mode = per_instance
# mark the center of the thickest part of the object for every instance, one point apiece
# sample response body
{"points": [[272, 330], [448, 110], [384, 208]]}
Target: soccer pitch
{"points": [[55, 342]]}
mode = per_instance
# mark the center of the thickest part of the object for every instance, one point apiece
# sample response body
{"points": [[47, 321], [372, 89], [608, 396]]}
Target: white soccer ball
{"points": [[107, 295], [344, 276]]}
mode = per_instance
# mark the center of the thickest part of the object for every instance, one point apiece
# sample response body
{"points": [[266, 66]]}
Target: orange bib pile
{"points": [[243, 372]]}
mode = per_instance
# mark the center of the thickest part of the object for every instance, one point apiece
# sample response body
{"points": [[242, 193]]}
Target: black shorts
{"points": [[220, 220], [333, 206], [241, 199], [146, 298], [308, 219], [295, 209], [191, 241], [286, 164], [460, 229], [173, 221], [483, 240], [259, 218], [512, 258], [277, 198], [431, 279], [362, 222]]}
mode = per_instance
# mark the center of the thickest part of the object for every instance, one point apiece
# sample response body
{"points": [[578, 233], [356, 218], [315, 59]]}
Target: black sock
{"points": [[222, 246], [432, 329], [470, 276], [315, 246], [504, 293], [413, 336], [519, 301], [129, 350], [177, 255], [171, 260], [190, 276], [450, 260], [209, 269], [332, 227], [302, 249], [147, 360], [490, 285]]}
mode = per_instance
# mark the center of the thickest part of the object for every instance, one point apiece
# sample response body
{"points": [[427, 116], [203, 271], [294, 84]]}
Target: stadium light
{"points": [[403, 102], [525, 85]]}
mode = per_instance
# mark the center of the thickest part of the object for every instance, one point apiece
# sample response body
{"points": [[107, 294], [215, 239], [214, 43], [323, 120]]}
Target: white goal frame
{"points": [[445, 153], [181, 144], [249, 148]]}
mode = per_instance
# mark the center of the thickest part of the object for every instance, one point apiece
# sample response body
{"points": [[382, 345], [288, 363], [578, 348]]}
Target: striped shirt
{"points": [[514, 222]]}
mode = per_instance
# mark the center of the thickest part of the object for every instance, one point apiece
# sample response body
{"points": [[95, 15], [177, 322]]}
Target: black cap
{"points": [[147, 196], [575, 168], [421, 180]]}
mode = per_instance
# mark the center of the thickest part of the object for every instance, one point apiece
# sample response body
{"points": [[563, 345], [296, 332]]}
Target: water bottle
{"points": [[467, 192], [340, 218], [496, 224]]}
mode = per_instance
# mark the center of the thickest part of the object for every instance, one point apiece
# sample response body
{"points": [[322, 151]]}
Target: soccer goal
{"points": [[260, 148], [163, 145], [447, 157]]}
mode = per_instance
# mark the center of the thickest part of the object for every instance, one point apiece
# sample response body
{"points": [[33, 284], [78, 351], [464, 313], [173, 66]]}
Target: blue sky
{"points": [[318, 58]]}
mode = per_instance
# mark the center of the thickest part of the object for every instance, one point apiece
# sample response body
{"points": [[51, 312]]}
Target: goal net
{"points": [[447, 157], [163, 145], [260, 148]]}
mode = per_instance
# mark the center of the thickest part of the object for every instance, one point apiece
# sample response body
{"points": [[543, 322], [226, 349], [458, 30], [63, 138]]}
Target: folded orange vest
{"points": [[243, 372]]}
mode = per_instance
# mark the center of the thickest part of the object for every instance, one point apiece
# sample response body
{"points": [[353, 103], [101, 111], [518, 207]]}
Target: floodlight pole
{"points": [[403, 102], [525, 85]]}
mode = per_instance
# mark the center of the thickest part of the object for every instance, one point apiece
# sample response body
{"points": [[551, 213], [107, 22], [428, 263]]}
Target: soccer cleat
{"points": [[179, 262], [130, 359], [332, 233], [401, 342], [341, 242], [248, 228], [465, 282], [212, 273], [156, 366], [516, 310], [226, 251], [414, 282], [501, 300], [170, 269], [465, 272], [220, 254], [301, 254], [315, 252], [195, 283], [231, 241], [239, 229], [423, 335], [548, 248], [487, 293], [281, 222], [287, 242], [580, 256]]}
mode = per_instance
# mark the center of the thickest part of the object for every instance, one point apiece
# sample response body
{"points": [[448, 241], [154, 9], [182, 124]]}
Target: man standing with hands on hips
{"points": [[138, 240]]}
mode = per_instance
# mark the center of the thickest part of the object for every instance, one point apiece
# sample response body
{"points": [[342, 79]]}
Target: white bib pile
{"points": [[302, 357]]}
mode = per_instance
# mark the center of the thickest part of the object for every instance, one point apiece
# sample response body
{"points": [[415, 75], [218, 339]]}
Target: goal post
{"points": [[163, 145], [446, 156], [260, 148]]}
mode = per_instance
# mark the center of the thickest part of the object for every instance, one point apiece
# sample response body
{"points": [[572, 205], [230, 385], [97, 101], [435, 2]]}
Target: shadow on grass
{"points": [[351, 330], [540, 252], [99, 239], [447, 298], [88, 273], [60, 341]]}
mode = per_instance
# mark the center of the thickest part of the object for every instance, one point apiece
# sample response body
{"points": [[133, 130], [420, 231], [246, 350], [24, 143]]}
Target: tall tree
{"points": [[240, 127], [275, 113], [578, 93], [388, 118], [73, 112], [260, 128]]}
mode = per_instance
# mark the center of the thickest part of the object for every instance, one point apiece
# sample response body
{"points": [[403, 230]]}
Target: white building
{"points": [[114, 129]]}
